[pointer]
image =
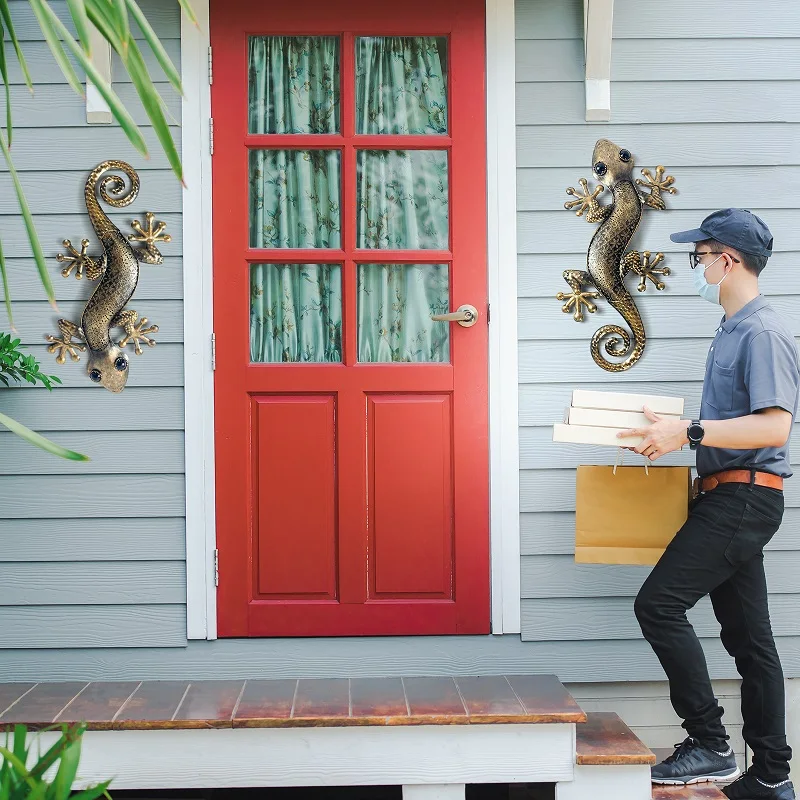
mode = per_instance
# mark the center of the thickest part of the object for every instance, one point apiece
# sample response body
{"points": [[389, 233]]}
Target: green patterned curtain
{"points": [[295, 200]]}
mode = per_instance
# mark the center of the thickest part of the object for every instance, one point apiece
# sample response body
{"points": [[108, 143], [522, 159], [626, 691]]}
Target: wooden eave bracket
{"points": [[598, 17], [97, 110]]}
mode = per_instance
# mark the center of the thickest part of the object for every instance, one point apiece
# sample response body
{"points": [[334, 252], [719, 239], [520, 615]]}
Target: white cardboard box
{"points": [[589, 434], [609, 419], [620, 401]]}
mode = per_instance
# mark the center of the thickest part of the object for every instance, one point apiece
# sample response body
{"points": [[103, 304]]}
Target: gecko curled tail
{"points": [[620, 345], [111, 187]]}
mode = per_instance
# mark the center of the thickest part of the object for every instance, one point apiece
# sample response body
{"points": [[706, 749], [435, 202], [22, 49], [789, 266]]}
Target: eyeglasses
{"points": [[696, 255]]}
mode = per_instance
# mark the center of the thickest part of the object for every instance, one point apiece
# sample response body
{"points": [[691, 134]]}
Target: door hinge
{"points": [[211, 135], [216, 568], [213, 351], [488, 312], [210, 67]]}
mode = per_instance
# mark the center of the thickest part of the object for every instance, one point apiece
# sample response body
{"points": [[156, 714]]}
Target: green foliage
{"points": [[19, 781], [16, 366]]}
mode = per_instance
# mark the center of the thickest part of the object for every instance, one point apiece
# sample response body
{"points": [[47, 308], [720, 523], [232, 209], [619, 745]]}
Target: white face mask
{"points": [[708, 291]]}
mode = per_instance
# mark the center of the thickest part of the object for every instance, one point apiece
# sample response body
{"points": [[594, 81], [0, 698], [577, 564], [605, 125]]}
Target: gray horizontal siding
{"points": [[111, 539], [739, 149]]}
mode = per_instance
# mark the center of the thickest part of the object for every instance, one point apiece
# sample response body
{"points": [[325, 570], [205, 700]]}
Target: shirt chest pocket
{"points": [[722, 382]]}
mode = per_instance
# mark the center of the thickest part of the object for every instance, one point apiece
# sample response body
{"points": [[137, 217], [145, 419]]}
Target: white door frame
{"points": [[201, 611]]}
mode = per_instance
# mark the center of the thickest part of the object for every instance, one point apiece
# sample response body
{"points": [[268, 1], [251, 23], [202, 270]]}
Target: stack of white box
{"points": [[597, 417]]}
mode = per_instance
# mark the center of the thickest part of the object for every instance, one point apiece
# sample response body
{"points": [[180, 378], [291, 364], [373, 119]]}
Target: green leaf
{"points": [[119, 111], [102, 18], [121, 8], [28, 219], [164, 60], [67, 770], [56, 48], [6, 14], [91, 794], [40, 441], [187, 9], [77, 8], [152, 105], [4, 76], [6, 290]]}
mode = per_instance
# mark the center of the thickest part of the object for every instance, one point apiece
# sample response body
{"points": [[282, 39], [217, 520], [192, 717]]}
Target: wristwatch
{"points": [[695, 433]]}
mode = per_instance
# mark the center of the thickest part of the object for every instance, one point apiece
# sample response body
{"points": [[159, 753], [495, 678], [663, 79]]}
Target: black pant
{"points": [[719, 551]]}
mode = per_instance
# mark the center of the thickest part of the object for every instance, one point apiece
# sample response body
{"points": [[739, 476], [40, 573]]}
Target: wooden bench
{"points": [[432, 735]]}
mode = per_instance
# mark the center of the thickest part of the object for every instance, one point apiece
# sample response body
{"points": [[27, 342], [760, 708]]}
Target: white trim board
{"points": [[341, 756], [198, 322]]}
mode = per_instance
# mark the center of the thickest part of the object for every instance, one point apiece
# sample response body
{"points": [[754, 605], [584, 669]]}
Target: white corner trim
{"points": [[502, 265], [97, 110], [201, 595], [598, 19]]}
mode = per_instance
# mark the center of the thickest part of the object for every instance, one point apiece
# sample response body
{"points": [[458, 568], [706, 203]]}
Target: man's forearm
{"points": [[767, 429]]}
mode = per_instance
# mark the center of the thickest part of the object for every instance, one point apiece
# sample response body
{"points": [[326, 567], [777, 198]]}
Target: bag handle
{"points": [[618, 461]]}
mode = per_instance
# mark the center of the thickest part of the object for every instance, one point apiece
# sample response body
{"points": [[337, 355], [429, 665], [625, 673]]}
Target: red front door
{"points": [[349, 209]]}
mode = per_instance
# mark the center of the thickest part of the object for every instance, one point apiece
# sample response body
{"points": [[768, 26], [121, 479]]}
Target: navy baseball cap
{"points": [[736, 227]]}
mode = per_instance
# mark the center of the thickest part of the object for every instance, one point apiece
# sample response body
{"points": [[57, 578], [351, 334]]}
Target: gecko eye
{"points": [[121, 364], [600, 168], [95, 375], [624, 155]]}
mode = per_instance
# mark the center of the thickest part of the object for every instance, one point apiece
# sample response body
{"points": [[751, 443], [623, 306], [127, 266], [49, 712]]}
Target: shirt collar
{"points": [[756, 304]]}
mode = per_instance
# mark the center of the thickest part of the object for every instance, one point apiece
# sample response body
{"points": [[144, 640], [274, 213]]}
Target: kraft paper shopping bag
{"points": [[627, 515]]}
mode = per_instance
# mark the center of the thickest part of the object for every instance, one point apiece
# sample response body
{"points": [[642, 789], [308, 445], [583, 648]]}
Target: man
{"points": [[750, 397]]}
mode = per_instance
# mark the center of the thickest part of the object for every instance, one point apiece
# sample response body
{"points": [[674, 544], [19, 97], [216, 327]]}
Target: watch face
{"points": [[695, 432]]}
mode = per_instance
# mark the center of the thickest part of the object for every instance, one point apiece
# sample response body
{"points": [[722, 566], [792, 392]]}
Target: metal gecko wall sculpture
{"points": [[118, 271], [607, 262]]}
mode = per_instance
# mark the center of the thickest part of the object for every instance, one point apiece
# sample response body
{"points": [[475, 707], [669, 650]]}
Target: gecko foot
{"points": [[64, 343], [134, 331], [577, 298], [79, 261], [587, 202], [656, 185], [150, 235], [647, 269]]}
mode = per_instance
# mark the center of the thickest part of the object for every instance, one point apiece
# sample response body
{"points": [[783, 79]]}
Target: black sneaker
{"points": [[748, 787], [693, 763]]}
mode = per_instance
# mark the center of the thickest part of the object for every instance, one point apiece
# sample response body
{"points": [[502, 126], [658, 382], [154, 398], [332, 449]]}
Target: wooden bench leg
{"points": [[434, 791]]}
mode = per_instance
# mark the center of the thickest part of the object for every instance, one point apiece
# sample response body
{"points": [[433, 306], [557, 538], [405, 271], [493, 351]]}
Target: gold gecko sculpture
{"points": [[118, 270], [607, 261]]}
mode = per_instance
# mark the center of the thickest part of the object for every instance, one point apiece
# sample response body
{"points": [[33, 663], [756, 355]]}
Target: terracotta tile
{"points": [[9, 692], [605, 739], [378, 697], [434, 697], [152, 705], [41, 705], [208, 704], [327, 698], [490, 698], [98, 703], [545, 698], [265, 701], [696, 792]]}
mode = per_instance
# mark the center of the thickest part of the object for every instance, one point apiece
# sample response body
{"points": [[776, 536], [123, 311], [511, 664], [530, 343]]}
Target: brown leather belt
{"points": [[711, 482]]}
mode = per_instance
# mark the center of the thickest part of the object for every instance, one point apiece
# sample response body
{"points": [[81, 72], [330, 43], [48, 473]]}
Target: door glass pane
{"points": [[294, 198], [401, 84], [295, 313], [395, 304], [402, 199], [293, 84]]}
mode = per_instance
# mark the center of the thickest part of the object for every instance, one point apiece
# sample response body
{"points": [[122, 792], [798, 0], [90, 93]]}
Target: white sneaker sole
{"points": [[727, 778]]}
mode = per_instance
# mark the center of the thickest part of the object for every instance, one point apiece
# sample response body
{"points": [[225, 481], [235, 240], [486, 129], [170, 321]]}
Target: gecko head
{"points": [[611, 163], [109, 368]]}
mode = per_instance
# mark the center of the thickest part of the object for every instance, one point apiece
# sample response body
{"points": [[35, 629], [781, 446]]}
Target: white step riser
{"points": [[607, 783]]}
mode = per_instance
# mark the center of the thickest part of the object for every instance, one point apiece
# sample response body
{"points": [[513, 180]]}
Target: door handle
{"points": [[465, 315]]}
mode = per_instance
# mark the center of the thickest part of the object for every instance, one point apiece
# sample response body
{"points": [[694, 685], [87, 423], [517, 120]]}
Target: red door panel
{"points": [[352, 497]]}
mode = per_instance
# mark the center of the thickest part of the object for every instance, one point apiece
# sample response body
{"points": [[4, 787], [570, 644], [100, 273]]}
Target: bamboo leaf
{"points": [[155, 45], [56, 48], [40, 441], [4, 75], [119, 111], [6, 290], [100, 15], [152, 106], [77, 8], [67, 770], [121, 8], [187, 9], [28, 219], [6, 14]]}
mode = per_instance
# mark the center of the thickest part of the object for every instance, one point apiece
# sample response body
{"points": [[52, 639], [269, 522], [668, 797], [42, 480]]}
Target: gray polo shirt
{"points": [[752, 365]]}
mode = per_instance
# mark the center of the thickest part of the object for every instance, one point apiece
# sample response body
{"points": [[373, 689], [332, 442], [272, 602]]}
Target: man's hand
{"points": [[660, 438]]}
